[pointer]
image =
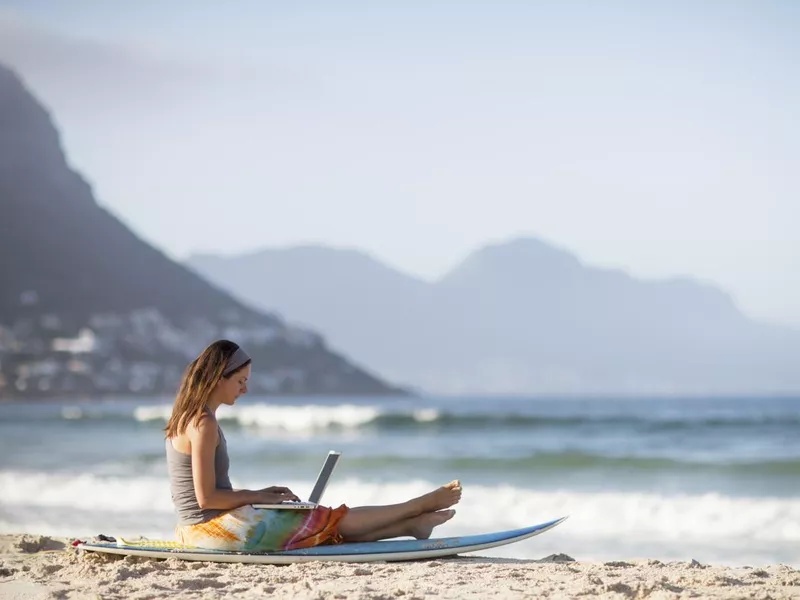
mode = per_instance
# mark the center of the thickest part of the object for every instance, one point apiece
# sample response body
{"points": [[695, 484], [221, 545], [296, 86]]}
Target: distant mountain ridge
{"points": [[520, 317], [87, 307]]}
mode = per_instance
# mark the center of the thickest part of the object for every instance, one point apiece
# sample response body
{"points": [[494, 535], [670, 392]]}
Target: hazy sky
{"points": [[662, 138]]}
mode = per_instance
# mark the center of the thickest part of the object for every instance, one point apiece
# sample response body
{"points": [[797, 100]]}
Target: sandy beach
{"points": [[36, 567]]}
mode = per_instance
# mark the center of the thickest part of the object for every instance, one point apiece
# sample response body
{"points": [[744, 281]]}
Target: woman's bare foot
{"points": [[443, 497], [422, 526]]}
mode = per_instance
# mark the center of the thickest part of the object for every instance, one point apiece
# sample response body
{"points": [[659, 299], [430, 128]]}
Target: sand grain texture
{"points": [[34, 567]]}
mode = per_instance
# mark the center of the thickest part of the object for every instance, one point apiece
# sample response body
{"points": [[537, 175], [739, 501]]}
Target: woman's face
{"points": [[234, 386]]}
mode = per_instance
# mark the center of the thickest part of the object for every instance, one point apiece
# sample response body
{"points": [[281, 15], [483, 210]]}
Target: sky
{"points": [[661, 138]]}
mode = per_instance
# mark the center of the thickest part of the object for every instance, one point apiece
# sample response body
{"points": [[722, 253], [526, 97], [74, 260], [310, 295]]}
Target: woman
{"points": [[213, 515]]}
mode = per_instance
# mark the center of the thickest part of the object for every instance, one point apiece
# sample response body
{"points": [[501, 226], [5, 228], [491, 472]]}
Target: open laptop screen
{"points": [[324, 476]]}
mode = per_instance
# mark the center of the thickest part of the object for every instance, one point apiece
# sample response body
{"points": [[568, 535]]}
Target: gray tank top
{"points": [[181, 483]]}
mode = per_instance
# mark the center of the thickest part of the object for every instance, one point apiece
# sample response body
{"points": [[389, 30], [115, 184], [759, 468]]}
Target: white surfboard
{"points": [[388, 550]]}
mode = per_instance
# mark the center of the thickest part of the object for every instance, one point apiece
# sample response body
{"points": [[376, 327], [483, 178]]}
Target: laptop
{"points": [[319, 487]]}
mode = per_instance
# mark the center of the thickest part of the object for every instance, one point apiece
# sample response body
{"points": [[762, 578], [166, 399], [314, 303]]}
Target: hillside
{"points": [[521, 317], [87, 307]]}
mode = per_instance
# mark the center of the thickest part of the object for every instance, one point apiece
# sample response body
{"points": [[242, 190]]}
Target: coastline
{"points": [[38, 567], [167, 395]]}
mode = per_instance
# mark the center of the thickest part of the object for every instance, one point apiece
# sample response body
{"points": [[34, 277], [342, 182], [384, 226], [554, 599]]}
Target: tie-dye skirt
{"points": [[248, 529]]}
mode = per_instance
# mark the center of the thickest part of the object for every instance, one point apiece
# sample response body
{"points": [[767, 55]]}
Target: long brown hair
{"points": [[199, 380]]}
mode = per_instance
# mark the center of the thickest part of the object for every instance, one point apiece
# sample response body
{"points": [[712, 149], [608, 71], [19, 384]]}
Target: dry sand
{"points": [[38, 568]]}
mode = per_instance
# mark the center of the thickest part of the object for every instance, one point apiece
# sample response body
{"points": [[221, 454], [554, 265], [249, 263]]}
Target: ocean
{"points": [[716, 480]]}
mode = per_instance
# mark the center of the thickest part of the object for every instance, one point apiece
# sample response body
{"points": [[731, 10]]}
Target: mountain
{"points": [[520, 317], [324, 286], [88, 307]]}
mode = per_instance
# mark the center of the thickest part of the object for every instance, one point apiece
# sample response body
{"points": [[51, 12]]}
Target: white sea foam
{"points": [[710, 527], [72, 413], [158, 412], [426, 415], [86, 492], [300, 418], [293, 419]]}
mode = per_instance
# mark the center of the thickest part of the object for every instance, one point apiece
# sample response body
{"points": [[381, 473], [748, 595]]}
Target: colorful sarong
{"points": [[248, 529]]}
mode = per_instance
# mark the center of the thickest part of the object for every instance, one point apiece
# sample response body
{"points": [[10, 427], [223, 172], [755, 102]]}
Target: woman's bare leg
{"points": [[419, 527], [366, 520]]}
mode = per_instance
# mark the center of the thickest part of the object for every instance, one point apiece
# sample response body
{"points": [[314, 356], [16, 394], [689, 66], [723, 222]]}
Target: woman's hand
{"points": [[276, 494]]}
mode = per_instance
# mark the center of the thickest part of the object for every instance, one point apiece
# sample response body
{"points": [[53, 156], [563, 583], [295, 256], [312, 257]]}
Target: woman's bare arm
{"points": [[204, 439]]}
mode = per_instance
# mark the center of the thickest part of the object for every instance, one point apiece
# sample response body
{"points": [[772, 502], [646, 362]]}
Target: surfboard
{"points": [[388, 550]]}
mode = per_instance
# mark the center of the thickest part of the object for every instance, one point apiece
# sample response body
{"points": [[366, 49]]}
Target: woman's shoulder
{"points": [[204, 426]]}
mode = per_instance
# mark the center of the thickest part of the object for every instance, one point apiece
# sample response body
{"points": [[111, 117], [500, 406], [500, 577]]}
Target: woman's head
{"points": [[218, 376]]}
